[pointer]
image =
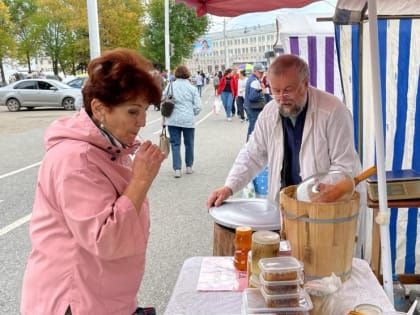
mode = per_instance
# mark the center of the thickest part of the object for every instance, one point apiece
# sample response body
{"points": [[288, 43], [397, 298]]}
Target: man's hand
{"points": [[217, 197]]}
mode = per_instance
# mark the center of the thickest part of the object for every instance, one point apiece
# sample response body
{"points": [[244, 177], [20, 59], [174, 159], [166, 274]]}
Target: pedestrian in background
{"points": [[181, 123], [253, 92], [266, 84], [198, 82], [90, 221], [235, 75], [240, 99], [228, 89], [216, 82]]}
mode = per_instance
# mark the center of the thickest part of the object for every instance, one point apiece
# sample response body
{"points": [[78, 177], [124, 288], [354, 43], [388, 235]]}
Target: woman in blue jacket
{"points": [[182, 120]]}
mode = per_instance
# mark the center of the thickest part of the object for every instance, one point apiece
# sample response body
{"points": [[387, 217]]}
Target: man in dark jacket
{"points": [[254, 91]]}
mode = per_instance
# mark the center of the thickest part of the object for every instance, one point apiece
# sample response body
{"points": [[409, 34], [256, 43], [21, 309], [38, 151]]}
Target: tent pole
{"points": [[380, 155], [360, 95]]}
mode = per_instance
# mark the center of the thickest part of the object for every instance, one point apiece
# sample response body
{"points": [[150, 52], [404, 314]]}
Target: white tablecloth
{"points": [[362, 287]]}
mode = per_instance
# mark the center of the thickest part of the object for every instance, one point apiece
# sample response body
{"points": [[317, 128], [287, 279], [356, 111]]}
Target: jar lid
{"points": [[368, 309], [266, 237], [244, 231]]}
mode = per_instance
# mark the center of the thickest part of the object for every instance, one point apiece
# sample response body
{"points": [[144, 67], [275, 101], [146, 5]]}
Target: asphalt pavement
{"points": [[181, 226]]}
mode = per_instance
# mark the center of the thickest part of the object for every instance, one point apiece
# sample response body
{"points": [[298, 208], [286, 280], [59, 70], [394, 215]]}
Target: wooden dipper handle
{"points": [[365, 174]]}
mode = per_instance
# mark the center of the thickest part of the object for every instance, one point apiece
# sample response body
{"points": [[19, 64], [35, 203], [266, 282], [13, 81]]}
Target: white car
{"points": [[32, 93]]}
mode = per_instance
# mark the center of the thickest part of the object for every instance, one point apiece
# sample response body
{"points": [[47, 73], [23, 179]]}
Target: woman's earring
{"points": [[102, 123]]}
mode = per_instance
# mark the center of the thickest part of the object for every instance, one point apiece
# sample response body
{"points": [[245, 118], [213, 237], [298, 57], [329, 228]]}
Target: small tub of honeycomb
{"points": [[281, 268]]}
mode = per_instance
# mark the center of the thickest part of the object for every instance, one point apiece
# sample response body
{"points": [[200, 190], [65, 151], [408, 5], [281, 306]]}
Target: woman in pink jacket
{"points": [[90, 221]]}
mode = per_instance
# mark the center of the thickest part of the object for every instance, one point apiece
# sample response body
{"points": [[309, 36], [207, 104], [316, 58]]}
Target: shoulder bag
{"points": [[167, 105], [259, 104], [164, 144]]}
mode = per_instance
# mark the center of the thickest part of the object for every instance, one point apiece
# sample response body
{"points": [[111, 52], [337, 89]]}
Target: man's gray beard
{"points": [[291, 113], [295, 111]]}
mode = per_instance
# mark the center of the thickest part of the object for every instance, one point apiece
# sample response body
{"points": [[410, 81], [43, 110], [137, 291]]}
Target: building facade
{"points": [[222, 50]]}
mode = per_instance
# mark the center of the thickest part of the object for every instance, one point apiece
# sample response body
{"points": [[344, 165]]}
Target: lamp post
{"points": [[167, 42], [225, 44], [94, 45]]}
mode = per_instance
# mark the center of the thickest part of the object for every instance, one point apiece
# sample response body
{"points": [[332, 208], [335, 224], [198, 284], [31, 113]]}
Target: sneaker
{"points": [[229, 119], [189, 170], [177, 174]]}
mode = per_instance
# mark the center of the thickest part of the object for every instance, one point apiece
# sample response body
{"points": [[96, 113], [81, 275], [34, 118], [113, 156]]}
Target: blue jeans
{"points": [[199, 88], [175, 139], [252, 118], [227, 100]]}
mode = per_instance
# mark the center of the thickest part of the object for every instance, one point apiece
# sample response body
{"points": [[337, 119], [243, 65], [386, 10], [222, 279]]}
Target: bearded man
{"points": [[301, 132]]}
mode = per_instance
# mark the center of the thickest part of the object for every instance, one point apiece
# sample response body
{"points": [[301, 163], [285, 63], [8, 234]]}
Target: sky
{"points": [[263, 18]]}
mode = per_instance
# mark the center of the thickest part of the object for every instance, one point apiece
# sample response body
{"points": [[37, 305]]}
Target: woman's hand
{"points": [[146, 165], [147, 161]]}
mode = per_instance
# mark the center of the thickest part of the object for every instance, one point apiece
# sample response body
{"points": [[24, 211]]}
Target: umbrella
{"points": [[246, 67], [238, 7]]}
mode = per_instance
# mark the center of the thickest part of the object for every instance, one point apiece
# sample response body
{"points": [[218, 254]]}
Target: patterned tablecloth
{"points": [[361, 288]]}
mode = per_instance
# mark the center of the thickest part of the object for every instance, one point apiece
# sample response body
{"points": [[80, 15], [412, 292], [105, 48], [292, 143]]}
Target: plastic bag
{"points": [[324, 286], [249, 191], [217, 106]]}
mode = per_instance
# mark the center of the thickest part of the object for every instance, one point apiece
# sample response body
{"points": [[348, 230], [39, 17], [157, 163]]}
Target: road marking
{"points": [[26, 218], [20, 170], [15, 224]]}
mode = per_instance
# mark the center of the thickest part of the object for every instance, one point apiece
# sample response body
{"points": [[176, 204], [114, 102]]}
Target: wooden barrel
{"points": [[322, 235], [223, 241]]}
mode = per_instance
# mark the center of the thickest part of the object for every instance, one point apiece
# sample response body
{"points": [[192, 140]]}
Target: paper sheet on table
{"points": [[217, 273]]}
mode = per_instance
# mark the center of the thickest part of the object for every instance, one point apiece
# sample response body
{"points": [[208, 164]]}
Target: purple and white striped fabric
{"points": [[319, 51]]}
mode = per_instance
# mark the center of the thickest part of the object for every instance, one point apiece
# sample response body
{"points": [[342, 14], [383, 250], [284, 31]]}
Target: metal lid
{"points": [[259, 214]]}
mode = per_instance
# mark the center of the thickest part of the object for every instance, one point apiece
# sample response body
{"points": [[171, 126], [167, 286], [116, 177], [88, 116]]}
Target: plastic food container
{"points": [[285, 248], [282, 300], [265, 244], [281, 287], [253, 302], [281, 268]]}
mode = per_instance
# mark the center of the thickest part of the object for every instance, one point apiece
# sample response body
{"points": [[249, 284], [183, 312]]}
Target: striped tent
{"points": [[302, 35], [399, 63]]}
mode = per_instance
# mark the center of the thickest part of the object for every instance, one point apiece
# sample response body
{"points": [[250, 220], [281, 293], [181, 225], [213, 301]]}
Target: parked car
{"points": [[32, 93], [78, 82]]}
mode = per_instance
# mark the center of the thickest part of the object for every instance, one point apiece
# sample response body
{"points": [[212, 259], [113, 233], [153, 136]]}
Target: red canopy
{"points": [[238, 7]]}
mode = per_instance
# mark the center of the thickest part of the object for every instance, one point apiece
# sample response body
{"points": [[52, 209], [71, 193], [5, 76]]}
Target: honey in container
{"points": [[243, 237], [265, 244]]}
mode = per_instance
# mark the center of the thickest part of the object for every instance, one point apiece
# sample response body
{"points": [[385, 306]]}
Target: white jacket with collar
{"points": [[327, 144]]}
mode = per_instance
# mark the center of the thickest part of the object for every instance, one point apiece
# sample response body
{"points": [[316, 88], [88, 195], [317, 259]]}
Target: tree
{"points": [[184, 29], [6, 40], [120, 23], [24, 28]]}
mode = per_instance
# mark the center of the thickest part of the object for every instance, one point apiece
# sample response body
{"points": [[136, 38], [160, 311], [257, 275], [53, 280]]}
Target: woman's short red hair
{"points": [[118, 76]]}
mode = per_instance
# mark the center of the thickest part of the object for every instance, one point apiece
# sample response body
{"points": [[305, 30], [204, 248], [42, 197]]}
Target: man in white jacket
{"points": [[301, 132]]}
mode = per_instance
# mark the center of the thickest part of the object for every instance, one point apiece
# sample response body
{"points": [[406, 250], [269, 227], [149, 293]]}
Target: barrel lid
{"points": [[258, 213]]}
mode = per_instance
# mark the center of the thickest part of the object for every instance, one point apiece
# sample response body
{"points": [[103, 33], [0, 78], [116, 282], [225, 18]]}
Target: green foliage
{"points": [[184, 29], [58, 29], [6, 39]]}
